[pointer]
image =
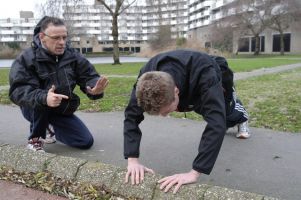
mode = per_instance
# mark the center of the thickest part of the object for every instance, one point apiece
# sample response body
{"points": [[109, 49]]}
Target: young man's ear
{"points": [[41, 36], [177, 91]]}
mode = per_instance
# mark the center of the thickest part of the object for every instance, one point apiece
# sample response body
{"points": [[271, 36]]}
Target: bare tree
{"points": [[253, 15], [163, 34], [116, 8], [221, 36], [63, 8], [162, 38], [283, 14]]}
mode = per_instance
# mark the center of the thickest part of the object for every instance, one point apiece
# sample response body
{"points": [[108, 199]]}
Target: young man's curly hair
{"points": [[155, 90]]}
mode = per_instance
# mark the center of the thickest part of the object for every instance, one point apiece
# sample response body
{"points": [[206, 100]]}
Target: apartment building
{"points": [[169, 13], [17, 30], [204, 14], [137, 24], [92, 27]]}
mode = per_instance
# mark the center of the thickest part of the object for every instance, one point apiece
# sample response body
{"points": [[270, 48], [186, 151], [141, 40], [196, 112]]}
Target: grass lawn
{"points": [[273, 101], [116, 96], [274, 56], [4, 76], [124, 69]]}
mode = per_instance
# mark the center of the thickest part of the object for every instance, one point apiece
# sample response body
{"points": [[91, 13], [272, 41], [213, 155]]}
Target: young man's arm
{"points": [[211, 106], [132, 137]]}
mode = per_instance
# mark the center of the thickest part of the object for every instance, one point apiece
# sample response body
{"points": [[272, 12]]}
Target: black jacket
{"points": [[35, 70], [198, 77]]}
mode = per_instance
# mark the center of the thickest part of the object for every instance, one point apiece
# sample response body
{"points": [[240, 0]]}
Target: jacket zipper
{"points": [[57, 69]]}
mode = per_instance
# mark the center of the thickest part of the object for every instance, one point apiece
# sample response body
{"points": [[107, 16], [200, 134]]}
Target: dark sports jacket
{"points": [[198, 77], [35, 70]]}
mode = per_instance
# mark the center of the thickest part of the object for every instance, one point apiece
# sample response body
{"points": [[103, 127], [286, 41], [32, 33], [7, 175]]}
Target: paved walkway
{"points": [[11, 191], [267, 163], [263, 71]]}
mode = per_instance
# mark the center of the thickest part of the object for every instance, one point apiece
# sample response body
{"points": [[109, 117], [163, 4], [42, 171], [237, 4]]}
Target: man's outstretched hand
{"points": [[136, 171], [178, 180], [54, 99], [99, 87]]}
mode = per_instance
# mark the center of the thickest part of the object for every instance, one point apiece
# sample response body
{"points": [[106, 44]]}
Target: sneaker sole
{"points": [[35, 150], [243, 136], [47, 141]]}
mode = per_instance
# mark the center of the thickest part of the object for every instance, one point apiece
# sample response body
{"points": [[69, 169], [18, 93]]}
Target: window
{"points": [[207, 44], [287, 42], [243, 45], [107, 49], [261, 43], [89, 50]]}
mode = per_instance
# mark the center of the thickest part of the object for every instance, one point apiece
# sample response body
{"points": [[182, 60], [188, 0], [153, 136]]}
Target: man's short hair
{"points": [[51, 20], [155, 90]]}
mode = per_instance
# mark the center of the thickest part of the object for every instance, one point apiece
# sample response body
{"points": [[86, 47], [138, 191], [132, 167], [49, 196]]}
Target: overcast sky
{"points": [[12, 8]]}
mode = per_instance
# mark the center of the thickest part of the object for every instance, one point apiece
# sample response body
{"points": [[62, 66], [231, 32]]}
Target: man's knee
{"points": [[87, 144]]}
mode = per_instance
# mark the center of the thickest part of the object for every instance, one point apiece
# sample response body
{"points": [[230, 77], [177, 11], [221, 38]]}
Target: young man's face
{"points": [[164, 111], [54, 39]]}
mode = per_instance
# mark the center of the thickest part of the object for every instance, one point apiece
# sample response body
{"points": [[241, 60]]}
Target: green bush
{"points": [[14, 45], [180, 41]]}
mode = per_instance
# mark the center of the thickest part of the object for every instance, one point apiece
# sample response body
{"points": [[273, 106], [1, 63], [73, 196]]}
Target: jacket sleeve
{"points": [[87, 76], [25, 85], [212, 107], [132, 133]]}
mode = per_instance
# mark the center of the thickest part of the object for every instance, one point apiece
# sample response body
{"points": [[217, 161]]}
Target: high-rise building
{"points": [[165, 13], [92, 24]]}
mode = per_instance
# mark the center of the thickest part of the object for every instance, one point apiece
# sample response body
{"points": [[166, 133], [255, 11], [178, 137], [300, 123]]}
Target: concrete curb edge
{"points": [[111, 177]]}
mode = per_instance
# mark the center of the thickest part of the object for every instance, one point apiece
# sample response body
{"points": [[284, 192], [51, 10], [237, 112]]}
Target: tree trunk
{"points": [[281, 43], [115, 40], [257, 45]]}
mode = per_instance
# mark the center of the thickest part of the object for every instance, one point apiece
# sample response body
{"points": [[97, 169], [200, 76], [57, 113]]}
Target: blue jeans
{"points": [[69, 129]]}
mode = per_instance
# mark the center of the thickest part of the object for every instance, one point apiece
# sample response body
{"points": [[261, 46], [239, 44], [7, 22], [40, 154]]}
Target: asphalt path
{"points": [[5, 63], [268, 163]]}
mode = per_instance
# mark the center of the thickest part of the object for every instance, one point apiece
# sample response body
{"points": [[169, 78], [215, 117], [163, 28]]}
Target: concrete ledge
{"points": [[111, 177], [64, 167]]}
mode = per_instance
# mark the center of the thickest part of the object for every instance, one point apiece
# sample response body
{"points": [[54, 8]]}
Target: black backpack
{"points": [[227, 75]]}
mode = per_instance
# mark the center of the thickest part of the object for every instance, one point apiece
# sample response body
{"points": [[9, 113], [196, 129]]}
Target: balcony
{"points": [[93, 32], [30, 25], [6, 25], [173, 22], [27, 32], [7, 39], [218, 4], [97, 17], [7, 32]]}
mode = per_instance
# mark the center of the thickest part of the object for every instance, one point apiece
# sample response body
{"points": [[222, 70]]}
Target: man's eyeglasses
{"points": [[56, 38]]}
